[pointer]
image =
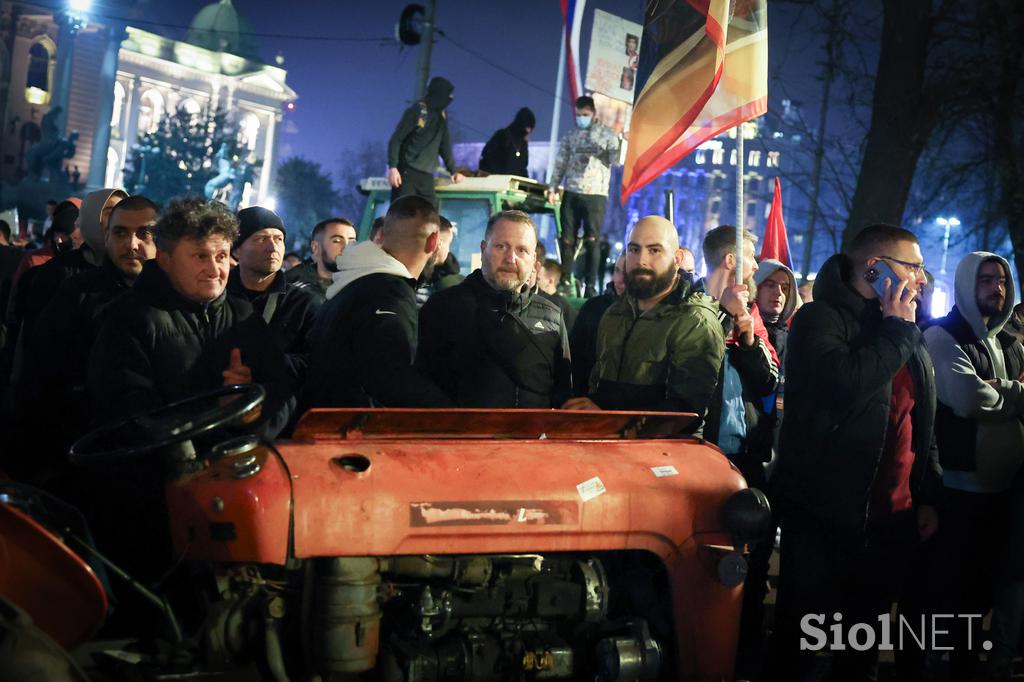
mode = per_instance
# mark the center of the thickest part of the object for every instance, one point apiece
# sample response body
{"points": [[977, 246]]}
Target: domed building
{"points": [[125, 79]]}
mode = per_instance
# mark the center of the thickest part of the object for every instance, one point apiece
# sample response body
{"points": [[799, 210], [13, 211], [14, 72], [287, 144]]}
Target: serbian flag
{"points": [[703, 69], [775, 243], [572, 18]]}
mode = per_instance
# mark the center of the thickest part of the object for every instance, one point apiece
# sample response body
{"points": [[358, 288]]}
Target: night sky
{"points": [[350, 91]]}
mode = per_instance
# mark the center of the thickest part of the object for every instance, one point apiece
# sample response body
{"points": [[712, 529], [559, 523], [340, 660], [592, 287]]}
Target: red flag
{"points": [[703, 70], [775, 243]]}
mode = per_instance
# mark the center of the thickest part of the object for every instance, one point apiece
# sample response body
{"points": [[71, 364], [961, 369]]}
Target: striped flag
{"points": [[775, 243], [572, 18], [702, 71]]}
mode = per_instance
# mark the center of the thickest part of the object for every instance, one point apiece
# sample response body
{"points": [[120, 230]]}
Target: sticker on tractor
{"points": [[667, 470], [588, 490], [493, 513]]}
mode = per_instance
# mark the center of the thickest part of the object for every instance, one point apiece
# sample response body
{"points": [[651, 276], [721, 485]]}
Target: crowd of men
{"points": [[890, 444]]}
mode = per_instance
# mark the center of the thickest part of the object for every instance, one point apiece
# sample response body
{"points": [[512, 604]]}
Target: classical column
{"points": [[105, 107], [68, 28], [267, 170]]}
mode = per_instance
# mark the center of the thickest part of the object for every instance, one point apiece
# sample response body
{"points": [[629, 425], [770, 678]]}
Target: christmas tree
{"points": [[177, 159]]}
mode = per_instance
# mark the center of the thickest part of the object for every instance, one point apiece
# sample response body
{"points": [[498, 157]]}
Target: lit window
{"points": [[754, 157], [699, 159], [773, 160], [37, 79], [732, 157], [718, 156]]}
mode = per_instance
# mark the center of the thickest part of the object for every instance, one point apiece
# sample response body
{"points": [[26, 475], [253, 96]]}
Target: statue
{"points": [[49, 153], [228, 185], [222, 179]]}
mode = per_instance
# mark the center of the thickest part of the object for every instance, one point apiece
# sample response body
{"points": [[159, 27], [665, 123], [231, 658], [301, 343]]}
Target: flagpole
{"points": [[556, 109], [740, 212]]}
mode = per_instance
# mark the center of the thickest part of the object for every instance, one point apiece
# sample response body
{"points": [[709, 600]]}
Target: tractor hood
{"points": [[362, 482]]}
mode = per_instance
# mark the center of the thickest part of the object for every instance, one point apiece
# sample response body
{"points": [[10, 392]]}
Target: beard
{"points": [[329, 265], [652, 285], [993, 305]]}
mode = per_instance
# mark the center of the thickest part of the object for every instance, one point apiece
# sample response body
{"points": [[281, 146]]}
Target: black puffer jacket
{"points": [[156, 347], [291, 317], [583, 339], [841, 359], [487, 348]]}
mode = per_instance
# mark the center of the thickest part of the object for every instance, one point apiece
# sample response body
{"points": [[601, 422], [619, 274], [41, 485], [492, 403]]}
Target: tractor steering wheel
{"points": [[166, 426]]}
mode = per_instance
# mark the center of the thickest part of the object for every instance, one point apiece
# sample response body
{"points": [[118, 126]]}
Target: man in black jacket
{"points": [[326, 243], [178, 332], [857, 474], [422, 135], [490, 342], [289, 309], [364, 341], [583, 335], [508, 150], [57, 347]]}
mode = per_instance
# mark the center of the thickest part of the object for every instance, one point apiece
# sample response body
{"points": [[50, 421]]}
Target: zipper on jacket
{"points": [[622, 353]]}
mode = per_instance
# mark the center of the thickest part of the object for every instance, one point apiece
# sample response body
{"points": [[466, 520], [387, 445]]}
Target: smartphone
{"points": [[877, 274]]}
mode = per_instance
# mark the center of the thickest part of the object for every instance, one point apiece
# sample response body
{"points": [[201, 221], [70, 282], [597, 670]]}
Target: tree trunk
{"points": [[902, 117], [1010, 20]]}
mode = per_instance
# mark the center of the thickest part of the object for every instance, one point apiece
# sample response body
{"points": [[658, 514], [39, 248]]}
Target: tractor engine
{"points": [[483, 617]]}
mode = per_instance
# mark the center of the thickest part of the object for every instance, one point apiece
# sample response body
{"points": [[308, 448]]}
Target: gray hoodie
{"points": [[361, 259], [997, 409], [89, 219], [766, 269]]}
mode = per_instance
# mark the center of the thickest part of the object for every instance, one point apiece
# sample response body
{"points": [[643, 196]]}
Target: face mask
{"points": [[583, 122]]}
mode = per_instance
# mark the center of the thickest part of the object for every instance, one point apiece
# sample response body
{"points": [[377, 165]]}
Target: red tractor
{"points": [[408, 544]]}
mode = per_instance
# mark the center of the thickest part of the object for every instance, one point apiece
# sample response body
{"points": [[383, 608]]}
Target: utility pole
{"points": [[426, 46], [819, 147]]}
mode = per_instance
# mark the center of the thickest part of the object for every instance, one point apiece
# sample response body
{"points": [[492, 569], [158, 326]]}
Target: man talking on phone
{"points": [[857, 474]]}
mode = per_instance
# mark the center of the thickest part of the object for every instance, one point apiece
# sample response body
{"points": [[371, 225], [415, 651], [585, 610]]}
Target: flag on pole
{"points": [[572, 18], [702, 71], [775, 243]]}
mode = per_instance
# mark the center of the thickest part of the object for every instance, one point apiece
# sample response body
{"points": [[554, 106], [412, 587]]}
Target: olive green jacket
{"points": [[666, 359]]}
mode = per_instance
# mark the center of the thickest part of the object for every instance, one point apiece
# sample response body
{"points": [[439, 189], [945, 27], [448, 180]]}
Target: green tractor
{"points": [[469, 204]]}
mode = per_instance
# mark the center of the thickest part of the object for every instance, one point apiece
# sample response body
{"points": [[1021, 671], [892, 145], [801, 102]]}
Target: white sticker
{"points": [[588, 490], [665, 471]]}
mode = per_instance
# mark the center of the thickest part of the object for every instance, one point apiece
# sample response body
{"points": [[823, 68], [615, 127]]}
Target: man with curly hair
{"points": [[178, 332]]}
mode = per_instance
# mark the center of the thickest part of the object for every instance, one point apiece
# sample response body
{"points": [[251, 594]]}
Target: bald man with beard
{"points": [[660, 345]]}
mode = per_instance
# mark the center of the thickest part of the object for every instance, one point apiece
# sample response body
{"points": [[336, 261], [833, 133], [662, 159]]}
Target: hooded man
{"points": [[857, 478], [979, 367], [288, 309], [364, 341], [584, 162], [56, 353], [422, 135], [508, 150]]}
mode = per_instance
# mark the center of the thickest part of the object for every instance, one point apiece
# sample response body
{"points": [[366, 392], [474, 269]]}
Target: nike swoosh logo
{"points": [[384, 312]]}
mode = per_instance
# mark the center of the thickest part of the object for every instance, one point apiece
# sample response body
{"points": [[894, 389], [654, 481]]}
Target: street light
{"points": [[946, 223]]}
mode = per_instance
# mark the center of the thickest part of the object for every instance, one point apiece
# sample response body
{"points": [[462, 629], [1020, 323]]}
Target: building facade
{"points": [[125, 79]]}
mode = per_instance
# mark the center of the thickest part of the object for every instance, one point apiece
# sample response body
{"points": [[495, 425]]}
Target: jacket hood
{"points": [[832, 286], [439, 93], [965, 284], [766, 269], [524, 119], [89, 216], [361, 259]]}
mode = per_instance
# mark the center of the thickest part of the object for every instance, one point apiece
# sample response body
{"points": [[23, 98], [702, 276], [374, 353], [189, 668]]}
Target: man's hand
{"points": [[552, 196], [236, 373], [745, 328], [583, 403], [898, 301], [458, 177], [927, 521], [394, 177], [735, 299]]}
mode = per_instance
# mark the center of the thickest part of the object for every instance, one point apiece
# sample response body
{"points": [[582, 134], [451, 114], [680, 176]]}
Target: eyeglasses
{"points": [[915, 268]]}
